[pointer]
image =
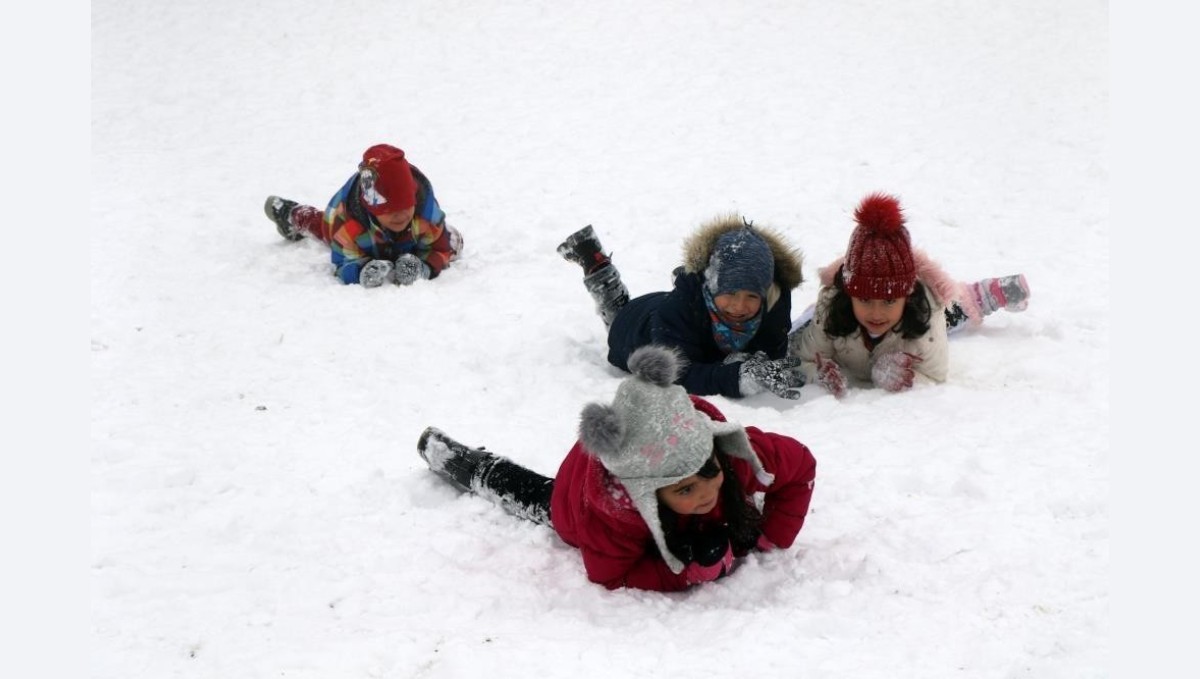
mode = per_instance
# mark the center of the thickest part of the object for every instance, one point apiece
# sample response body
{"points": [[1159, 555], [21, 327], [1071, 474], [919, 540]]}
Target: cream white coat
{"points": [[851, 352]]}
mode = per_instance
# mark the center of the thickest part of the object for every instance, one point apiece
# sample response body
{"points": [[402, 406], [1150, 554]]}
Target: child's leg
{"points": [[1010, 293], [796, 333], [600, 276], [981, 298], [520, 491], [803, 319], [311, 221], [957, 318], [293, 221], [608, 291]]}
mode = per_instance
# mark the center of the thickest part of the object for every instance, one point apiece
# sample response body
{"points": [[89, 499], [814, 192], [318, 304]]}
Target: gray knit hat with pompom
{"points": [[652, 436]]}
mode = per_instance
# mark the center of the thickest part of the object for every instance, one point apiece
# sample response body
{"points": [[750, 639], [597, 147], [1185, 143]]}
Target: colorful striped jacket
{"points": [[355, 238]]}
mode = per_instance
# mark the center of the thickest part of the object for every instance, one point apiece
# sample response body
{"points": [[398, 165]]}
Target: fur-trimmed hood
{"points": [[944, 288], [698, 248]]}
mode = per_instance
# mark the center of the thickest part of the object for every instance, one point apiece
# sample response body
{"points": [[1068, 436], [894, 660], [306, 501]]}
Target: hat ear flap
{"points": [[601, 429], [731, 438]]}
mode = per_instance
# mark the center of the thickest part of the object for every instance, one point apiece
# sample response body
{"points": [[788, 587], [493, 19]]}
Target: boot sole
{"points": [[289, 233], [566, 248], [423, 441], [447, 470]]}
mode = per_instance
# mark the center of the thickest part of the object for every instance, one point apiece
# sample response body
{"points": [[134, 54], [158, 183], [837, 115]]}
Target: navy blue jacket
{"points": [[680, 319]]}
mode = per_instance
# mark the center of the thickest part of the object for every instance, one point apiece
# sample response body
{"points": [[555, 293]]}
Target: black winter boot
{"points": [[279, 210], [465, 468], [583, 248], [608, 291], [519, 491]]}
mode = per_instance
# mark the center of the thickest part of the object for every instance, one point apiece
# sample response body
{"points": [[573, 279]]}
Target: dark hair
{"points": [[743, 520], [841, 322]]}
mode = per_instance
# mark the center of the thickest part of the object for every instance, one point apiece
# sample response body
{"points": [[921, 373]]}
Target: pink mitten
{"points": [[765, 545], [894, 371], [696, 573], [830, 376]]}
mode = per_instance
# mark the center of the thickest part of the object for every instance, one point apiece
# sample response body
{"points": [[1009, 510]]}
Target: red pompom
{"points": [[880, 213]]}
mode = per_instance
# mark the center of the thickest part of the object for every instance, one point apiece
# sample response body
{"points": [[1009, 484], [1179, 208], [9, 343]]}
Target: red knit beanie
{"points": [[385, 180], [879, 262]]}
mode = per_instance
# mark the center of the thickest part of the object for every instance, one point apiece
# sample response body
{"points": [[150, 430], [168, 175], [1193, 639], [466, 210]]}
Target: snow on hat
{"points": [[385, 181], [879, 262], [741, 260], [652, 436]]}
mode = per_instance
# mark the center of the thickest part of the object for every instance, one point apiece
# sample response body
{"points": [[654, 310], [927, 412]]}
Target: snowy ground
{"points": [[257, 505]]}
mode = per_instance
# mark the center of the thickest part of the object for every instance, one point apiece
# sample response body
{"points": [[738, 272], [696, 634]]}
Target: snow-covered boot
{"points": [[519, 491], [465, 468], [1010, 293], [279, 210], [583, 248], [600, 276], [608, 291], [982, 298], [456, 242]]}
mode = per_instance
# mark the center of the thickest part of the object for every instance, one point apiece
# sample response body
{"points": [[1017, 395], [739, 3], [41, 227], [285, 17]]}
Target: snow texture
{"points": [[258, 507]]}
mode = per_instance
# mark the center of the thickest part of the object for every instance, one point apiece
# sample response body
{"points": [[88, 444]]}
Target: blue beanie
{"points": [[741, 260]]}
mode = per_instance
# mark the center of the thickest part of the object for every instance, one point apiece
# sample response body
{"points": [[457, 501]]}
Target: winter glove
{"points": [[894, 371], [780, 376], [409, 269], [375, 273], [830, 376], [735, 357], [712, 556], [765, 545]]}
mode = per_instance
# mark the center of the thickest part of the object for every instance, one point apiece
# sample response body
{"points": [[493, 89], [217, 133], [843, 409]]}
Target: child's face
{"points": [[877, 315], [693, 495], [738, 307], [396, 221]]}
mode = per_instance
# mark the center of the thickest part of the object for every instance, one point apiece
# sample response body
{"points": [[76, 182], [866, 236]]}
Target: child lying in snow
{"points": [[383, 225], [657, 493], [877, 319]]}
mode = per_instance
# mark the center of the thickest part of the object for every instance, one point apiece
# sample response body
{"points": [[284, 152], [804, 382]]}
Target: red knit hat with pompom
{"points": [[386, 182], [879, 261]]}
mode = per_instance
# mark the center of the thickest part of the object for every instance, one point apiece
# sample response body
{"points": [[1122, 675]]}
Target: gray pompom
{"points": [[655, 364], [600, 430]]}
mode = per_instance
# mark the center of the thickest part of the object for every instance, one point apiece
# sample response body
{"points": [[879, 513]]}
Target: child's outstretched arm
{"points": [[933, 350], [433, 245], [348, 250], [786, 500]]}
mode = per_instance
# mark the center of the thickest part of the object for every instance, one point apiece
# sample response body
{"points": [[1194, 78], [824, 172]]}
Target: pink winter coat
{"points": [[852, 355], [591, 511]]}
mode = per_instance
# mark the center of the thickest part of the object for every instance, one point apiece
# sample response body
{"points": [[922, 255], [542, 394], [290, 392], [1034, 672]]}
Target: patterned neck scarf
{"points": [[731, 337]]}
